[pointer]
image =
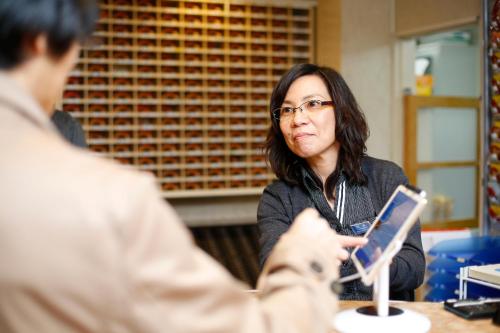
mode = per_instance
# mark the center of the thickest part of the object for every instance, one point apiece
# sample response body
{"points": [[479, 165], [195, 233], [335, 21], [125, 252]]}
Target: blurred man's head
{"points": [[40, 42]]}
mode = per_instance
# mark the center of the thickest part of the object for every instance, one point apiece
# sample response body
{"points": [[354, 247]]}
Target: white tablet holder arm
{"points": [[381, 288], [381, 317]]}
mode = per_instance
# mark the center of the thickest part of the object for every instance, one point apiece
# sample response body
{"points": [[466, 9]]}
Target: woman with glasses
{"points": [[316, 147]]}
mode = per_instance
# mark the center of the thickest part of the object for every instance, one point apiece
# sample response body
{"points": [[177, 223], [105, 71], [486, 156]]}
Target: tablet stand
{"points": [[382, 317]]}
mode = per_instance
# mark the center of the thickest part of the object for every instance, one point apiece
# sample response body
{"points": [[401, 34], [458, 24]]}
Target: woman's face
{"points": [[310, 135]]}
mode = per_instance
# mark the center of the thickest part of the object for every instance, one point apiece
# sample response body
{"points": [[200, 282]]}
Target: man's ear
{"points": [[37, 45]]}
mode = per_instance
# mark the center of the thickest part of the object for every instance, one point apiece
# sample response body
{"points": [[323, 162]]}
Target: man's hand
{"points": [[349, 241], [311, 224]]}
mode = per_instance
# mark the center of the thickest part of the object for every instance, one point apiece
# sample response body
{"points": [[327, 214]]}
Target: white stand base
{"points": [[351, 321]]}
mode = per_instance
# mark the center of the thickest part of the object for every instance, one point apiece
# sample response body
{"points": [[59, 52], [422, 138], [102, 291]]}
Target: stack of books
{"points": [[486, 273]]}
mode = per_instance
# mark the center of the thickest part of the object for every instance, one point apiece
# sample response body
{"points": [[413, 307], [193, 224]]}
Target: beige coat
{"points": [[87, 245]]}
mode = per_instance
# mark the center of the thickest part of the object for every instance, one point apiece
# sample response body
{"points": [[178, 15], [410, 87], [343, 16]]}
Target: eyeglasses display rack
{"points": [[182, 88], [491, 91]]}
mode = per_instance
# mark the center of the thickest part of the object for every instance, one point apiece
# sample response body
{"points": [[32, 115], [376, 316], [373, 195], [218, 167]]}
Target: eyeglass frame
{"points": [[276, 113]]}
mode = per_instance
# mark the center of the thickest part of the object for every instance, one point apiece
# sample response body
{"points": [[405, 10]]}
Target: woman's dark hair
{"points": [[351, 130], [62, 21]]}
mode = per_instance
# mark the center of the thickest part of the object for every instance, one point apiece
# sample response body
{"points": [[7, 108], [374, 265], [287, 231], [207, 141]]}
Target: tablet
{"points": [[388, 231]]}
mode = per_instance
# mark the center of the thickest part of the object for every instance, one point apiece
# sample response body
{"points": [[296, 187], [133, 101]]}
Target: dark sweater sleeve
{"points": [[408, 266], [78, 135], [70, 128], [273, 221]]}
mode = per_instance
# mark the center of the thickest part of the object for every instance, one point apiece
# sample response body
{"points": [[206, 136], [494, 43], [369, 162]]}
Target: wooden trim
{"points": [[328, 36], [444, 101], [410, 138], [451, 164], [437, 27], [450, 224], [424, 16], [212, 193], [479, 172]]}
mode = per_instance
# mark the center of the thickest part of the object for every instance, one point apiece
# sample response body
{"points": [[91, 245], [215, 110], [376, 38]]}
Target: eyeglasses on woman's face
{"points": [[285, 113]]}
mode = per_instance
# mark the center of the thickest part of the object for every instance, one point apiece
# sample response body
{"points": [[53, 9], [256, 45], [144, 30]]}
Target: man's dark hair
{"points": [[62, 21], [351, 130]]}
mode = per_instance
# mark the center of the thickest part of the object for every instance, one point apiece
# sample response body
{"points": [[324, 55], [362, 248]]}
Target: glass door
{"points": [[441, 156]]}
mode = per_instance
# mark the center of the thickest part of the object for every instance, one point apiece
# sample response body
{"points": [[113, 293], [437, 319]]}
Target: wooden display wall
{"points": [[181, 88]]}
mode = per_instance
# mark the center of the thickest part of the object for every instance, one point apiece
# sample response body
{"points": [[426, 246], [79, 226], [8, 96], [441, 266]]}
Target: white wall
{"points": [[367, 65]]}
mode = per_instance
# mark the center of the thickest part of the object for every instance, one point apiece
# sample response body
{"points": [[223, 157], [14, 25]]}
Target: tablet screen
{"points": [[391, 221]]}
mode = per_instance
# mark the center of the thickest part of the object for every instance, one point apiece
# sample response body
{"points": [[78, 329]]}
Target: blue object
{"points": [[474, 250], [438, 295], [444, 281], [477, 291], [450, 255], [360, 228], [445, 265], [487, 256]]}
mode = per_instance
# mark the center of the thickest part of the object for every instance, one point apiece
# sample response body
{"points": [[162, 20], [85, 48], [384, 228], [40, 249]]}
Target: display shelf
{"points": [[491, 33], [465, 279], [181, 88], [449, 259]]}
